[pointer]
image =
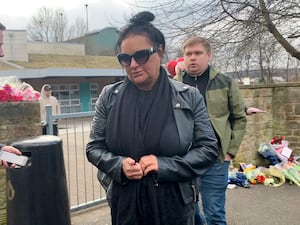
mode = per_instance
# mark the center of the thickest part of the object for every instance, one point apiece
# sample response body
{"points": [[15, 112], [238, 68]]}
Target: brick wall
{"points": [[283, 104], [17, 120]]}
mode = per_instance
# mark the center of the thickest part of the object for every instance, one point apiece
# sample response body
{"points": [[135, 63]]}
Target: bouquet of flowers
{"points": [[172, 66], [277, 140], [281, 148], [12, 90]]}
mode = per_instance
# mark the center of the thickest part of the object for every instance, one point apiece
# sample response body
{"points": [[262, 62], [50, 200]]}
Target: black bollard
{"points": [[37, 193]]}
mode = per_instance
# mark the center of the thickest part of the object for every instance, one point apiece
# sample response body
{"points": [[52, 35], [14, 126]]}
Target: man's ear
{"points": [[210, 55]]}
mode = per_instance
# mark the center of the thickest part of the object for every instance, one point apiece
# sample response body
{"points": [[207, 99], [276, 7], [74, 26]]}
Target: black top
{"points": [[199, 81]]}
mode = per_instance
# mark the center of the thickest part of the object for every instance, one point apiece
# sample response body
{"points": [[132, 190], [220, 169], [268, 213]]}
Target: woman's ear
{"points": [[160, 51]]}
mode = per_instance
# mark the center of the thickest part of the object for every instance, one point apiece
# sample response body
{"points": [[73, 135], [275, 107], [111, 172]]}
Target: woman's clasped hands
{"points": [[136, 170]]}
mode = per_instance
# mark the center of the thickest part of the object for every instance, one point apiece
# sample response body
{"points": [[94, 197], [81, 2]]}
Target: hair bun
{"points": [[142, 18]]}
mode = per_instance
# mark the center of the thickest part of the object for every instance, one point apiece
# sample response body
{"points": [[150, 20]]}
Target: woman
{"points": [[151, 135]]}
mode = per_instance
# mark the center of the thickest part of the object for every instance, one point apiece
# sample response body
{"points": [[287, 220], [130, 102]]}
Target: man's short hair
{"points": [[2, 27], [197, 40]]}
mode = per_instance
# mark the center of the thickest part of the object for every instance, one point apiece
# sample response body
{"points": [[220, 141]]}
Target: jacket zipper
{"points": [[195, 192]]}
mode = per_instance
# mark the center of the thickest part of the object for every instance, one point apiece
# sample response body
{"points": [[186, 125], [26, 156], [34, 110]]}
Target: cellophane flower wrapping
{"points": [[13, 90]]}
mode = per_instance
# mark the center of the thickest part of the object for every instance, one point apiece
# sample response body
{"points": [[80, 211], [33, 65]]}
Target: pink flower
{"points": [[4, 97], [11, 94]]}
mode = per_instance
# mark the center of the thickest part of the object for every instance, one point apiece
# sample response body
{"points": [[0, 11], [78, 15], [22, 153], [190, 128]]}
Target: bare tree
{"points": [[39, 29], [77, 29], [226, 20], [59, 25], [51, 25]]}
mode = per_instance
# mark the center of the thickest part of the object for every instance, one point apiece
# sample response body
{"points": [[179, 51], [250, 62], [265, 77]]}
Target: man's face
{"points": [[1, 43], [196, 59], [48, 93]]}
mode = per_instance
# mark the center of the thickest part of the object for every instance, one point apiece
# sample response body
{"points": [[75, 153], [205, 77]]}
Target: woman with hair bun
{"points": [[151, 136]]}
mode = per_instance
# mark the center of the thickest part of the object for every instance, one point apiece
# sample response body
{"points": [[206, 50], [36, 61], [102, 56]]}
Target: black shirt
{"points": [[199, 81]]}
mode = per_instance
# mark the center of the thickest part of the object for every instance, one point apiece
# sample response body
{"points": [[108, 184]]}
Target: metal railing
{"points": [[83, 186]]}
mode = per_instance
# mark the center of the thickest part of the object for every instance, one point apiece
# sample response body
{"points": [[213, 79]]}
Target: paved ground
{"points": [[261, 205], [98, 215], [257, 205]]}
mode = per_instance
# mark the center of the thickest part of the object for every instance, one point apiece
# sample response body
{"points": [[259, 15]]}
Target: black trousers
{"points": [[55, 129]]}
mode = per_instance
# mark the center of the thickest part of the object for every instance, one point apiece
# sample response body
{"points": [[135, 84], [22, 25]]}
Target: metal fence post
{"points": [[49, 119]]}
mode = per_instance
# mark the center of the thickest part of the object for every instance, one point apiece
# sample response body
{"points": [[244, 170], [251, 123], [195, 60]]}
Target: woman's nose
{"points": [[133, 63]]}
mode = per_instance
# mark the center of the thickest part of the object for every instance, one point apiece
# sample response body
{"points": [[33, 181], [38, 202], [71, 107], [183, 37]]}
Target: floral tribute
{"points": [[277, 140], [9, 93], [171, 66]]}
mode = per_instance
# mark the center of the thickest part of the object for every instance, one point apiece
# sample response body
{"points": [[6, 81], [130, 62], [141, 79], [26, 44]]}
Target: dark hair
{"points": [[2, 27], [141, 24], [47, 87]]}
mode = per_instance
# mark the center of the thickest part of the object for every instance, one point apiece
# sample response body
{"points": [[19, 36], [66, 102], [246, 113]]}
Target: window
{"points": [[94, 94], [68, 97]]}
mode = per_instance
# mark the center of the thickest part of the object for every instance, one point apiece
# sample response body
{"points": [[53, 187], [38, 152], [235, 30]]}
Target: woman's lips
{"points": [[137, 74]]}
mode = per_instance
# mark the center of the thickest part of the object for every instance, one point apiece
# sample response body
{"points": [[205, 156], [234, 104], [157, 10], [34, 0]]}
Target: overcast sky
{"points": [[16, 14]]}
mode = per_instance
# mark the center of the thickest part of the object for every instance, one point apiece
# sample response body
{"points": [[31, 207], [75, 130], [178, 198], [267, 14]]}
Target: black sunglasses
{"points": [[141, 57]]}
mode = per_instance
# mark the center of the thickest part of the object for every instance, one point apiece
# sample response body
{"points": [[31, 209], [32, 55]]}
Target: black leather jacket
{"points": [[195, 133]]}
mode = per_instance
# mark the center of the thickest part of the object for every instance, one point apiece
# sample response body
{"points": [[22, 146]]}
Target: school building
{"points": [[77, 69]]}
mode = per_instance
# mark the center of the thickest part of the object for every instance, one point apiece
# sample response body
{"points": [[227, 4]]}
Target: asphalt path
{"points": [[262, 205]]}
